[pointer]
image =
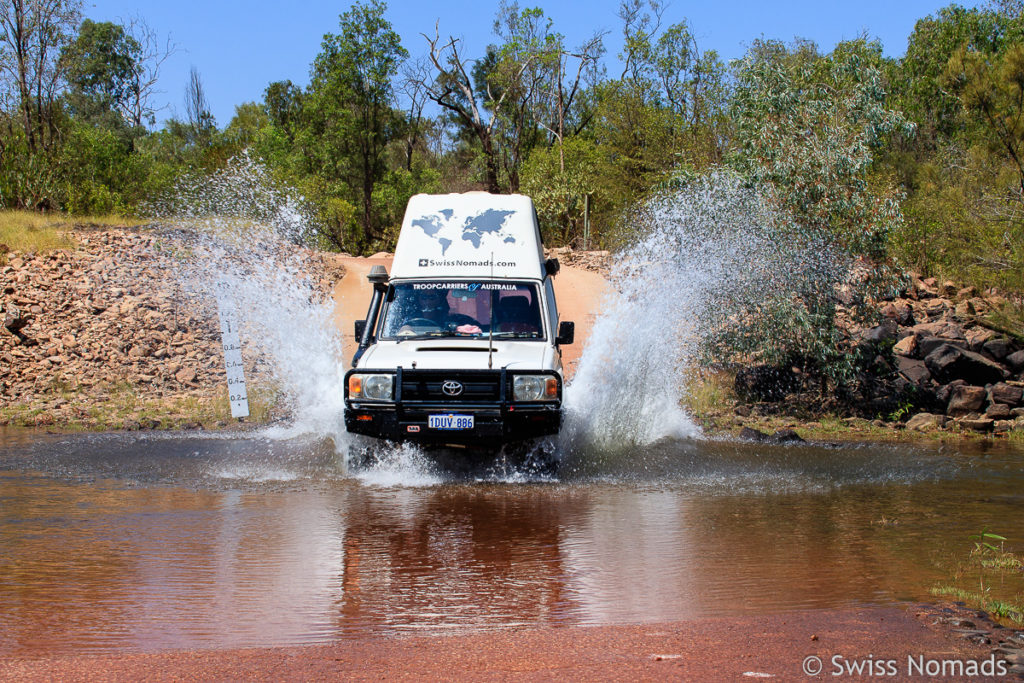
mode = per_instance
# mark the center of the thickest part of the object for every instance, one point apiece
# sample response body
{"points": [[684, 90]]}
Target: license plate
{"points": [[450, 422]]}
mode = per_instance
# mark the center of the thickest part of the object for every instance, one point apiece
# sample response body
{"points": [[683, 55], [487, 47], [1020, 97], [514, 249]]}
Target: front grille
{"points": [[478, 386]]}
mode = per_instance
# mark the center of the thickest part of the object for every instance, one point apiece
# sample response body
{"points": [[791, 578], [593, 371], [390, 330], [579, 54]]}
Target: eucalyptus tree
{"points": [[32, 35], [807, 127], [348, 116], [101, 65]]}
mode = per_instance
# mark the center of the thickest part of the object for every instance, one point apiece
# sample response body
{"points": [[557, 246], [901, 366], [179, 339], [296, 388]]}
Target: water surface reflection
{"points": [[113, 543]]}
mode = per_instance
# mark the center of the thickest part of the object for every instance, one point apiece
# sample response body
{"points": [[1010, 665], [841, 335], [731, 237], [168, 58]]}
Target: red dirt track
{"points": [[723, 649], [578, 293]]}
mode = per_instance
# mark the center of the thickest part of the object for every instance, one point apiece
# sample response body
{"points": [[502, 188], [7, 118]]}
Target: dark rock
{"points": [[926, 345], [749, 434], [949, 362], [904, 315], [881, 333], [981, 424], [1016, 360], [944, 392], [1006, 393], [998, 411], [786, 436], [965, 399], [914, 370], [999, 348], [14, 320]]}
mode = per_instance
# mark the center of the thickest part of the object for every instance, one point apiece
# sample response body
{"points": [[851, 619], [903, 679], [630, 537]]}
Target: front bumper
{"points": [[490, 426], [497, 419]]}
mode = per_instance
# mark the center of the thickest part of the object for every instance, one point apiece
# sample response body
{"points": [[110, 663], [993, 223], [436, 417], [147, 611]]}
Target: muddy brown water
{"points": [[125, 542]]}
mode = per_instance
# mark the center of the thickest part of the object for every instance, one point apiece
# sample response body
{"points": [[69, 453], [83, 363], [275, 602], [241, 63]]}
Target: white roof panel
{"points": [[473, 234]]}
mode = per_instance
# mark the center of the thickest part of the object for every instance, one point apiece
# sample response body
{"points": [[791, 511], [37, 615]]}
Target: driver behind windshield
{"points": [[433, 305], [428, 311]]}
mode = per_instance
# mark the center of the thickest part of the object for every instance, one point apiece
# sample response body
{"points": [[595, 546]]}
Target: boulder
{"points": [[965, 399], [1002, 392], [185, 375], [750, 434], [925, 345], [949, 362], [780, 436], [1016, 360], [936, 307], [906, 346], [786, 436], [966, 293], [999, 348], [978, 337], [981, 424], [913, 370], [881, 333], [925, 421], [940, 328], [14, 320], [998, 411]]}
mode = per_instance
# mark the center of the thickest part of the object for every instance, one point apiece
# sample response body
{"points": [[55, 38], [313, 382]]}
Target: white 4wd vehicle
{"points": [[461, 344]]}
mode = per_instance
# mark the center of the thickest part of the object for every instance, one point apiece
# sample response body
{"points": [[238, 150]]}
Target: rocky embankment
{"points": [[969, 374], [594, 261], [939, 364], [104, 336]]}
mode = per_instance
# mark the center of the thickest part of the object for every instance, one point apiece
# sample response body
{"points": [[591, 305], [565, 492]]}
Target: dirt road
{"points": [[578, 291], [728, 649]]}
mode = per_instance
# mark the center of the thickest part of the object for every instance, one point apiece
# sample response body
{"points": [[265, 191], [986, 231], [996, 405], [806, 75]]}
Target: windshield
{"points": [[462, 309]]}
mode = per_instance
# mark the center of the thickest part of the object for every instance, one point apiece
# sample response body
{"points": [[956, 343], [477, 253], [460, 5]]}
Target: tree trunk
{"points": [[491, 161], [368, 181]]}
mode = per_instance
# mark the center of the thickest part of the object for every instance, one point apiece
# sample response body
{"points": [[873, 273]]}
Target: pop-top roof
{"points": [[473, 234]]}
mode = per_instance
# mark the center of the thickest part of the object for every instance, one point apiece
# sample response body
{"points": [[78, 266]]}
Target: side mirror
{"points": [[566, 333], [360, 328]]}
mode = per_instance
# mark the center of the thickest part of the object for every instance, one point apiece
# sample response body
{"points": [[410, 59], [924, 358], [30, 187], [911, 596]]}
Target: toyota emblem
{"points": [[451, 387]]}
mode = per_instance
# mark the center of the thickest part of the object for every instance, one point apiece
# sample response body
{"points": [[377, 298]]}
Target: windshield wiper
{"points": [[518, 335]]}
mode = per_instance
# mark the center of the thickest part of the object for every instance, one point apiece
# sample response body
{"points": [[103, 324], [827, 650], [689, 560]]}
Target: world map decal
{"points": [[476, 229]]}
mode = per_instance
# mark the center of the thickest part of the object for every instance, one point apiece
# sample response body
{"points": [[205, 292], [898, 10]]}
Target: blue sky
{"points": [[240, 47]]}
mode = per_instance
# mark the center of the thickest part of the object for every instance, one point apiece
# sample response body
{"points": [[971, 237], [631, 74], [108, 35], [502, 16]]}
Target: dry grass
{"points": [[709, 393], [38, 232]]}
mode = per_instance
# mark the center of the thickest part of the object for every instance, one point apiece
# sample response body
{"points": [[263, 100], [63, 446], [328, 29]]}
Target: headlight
{"points": [[371, 387], [534, 388]]}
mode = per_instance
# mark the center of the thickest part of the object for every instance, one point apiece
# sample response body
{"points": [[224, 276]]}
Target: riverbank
{"points": [[101, 335]]}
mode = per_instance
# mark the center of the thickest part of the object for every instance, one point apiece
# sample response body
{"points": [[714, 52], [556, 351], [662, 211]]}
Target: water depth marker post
{"points": [[228, 313]]}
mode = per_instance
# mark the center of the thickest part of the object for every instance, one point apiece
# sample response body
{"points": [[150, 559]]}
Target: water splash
{"points": [[399, 465], [700, 258], [243, 232]]}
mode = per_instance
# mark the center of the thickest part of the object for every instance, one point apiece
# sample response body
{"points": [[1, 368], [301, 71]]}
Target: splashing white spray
{"points": [[244, 232], [700, 255]]}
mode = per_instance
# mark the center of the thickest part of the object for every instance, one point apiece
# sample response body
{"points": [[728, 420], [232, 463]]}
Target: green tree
{"points": [[348, 114], [103, 65], [808, 127], [32, 36]]}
